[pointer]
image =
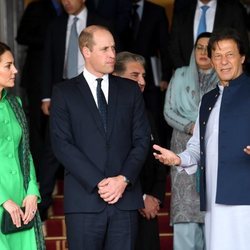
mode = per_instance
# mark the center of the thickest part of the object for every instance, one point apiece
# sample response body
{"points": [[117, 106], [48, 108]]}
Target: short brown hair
{"points": [[86, 36]]}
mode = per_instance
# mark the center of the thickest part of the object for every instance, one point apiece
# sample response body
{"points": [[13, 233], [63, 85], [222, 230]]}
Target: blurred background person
{"points": [[148, 35], [186, 88], [203, 16], [62, 60], [153, 174], [117, 12], [31, 33], [18, 186]]}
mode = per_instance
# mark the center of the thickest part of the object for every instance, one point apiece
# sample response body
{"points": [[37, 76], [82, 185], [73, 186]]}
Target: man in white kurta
{"points": [[227, 227]]}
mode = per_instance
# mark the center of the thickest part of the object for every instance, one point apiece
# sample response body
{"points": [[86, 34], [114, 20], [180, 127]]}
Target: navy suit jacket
{"points": [[88, 153], [54, 51], [233, 183], [182, 42], [153, 175]]}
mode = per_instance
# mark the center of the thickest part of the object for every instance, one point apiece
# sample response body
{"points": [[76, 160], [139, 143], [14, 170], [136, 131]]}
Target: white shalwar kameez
{"points": [[227, 227]]}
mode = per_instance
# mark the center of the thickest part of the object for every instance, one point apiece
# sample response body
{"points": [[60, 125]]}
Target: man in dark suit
{"points": [[31, 33], [149, 37], [56, 45], [153, 174], [185, 24], [101, 136], [55, 70], [116, 11]]}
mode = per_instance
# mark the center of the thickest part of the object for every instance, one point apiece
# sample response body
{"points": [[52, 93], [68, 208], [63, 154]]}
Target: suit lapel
{"points": [[219, 16], [90, 103], [112, 104], [60, 35]]}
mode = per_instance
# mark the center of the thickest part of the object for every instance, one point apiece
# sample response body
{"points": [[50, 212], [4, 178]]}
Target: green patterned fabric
{"points": [[24, 152]]}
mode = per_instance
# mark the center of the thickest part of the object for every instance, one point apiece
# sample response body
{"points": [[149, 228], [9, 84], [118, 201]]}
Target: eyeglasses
{"points": [[201, 48]]}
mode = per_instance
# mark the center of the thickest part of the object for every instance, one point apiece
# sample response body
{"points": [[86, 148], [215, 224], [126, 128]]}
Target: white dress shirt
{"points": [[140, 8], [91, 80], [210, 15]]}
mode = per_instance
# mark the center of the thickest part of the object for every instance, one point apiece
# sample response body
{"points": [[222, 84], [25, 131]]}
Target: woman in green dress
{"points": [[18, 185]]}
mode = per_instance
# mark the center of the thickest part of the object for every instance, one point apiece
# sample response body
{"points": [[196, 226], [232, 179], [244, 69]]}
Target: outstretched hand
{"points": [[166, 156]]}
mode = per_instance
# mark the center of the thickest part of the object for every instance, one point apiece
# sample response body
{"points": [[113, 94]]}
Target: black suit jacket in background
{"points": [[228, 14], [31, 33], [117, 12], [54, 52], [152, 40], [153, 175]]}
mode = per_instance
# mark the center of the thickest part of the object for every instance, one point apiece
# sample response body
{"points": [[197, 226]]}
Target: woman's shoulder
{"points": [[179, 75], [181, 71]]}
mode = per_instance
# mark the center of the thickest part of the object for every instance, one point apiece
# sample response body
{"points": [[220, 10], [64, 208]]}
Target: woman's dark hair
{"points": [[4, 48], [201, 35], [226, 34]]}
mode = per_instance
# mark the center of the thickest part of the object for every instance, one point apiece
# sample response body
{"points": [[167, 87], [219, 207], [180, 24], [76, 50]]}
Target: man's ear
{"points": [[86, 52], [243, 59]]}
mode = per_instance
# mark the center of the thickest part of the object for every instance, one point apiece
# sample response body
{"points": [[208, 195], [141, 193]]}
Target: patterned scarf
{"points": [[190, 86], [24, 153]]}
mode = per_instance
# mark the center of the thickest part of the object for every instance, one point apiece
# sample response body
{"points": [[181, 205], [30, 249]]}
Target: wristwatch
{"points": [[126, 180]]}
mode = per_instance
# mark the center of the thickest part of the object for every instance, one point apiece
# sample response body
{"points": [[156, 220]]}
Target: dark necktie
{"points": [[72, 56], [135, 22], [202, 24], [102, 104]]}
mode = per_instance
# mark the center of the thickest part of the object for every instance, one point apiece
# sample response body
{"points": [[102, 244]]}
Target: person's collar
{"points": [[211, 4], [140, 3], [3, 94], [205, 71], [91, 78], [140, 7], [82, 15], [235, 81]]}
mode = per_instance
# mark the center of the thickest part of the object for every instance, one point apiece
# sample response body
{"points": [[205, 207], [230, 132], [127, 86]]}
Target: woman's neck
{"points": [[205, 71]]}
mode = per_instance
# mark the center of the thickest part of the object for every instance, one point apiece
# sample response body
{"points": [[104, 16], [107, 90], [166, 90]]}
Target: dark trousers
{"points": [[111, 229], [37, 126], [148, 234], [154, 100], [49, 169]]}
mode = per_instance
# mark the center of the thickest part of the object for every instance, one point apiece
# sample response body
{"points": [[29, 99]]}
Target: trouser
{"points": [[189, 236]]}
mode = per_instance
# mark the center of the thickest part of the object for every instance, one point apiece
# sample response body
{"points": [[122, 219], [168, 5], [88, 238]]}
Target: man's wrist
{"points": [[126, 180], [178, 162]]}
